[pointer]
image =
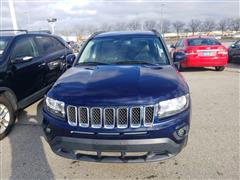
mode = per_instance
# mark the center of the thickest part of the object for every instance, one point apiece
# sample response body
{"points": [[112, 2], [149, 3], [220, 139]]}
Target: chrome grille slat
{"points": [[111, 117], [122, 117], [96, 117], [148, 115], [72, 115], [136, 116], [83, 113]]}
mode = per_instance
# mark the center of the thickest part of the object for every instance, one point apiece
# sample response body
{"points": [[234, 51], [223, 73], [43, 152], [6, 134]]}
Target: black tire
{"points": [[230, 59], [5, 102], [219, 68]]}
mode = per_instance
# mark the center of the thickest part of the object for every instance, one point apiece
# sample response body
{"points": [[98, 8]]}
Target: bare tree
{"points": [[149, 24], [134, 25], [178, 26], [194, 25], [119, 26], [165, 25], [208, 25], [106, 27], [235, 24], [223, 25]]}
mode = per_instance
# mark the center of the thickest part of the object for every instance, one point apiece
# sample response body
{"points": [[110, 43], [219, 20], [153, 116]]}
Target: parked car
{"points": [[122, 94], [29, 65], [234, 52], [202, 51]]}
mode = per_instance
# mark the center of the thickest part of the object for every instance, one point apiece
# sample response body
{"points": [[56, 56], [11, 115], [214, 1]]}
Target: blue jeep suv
{"points": [[121, 101]]}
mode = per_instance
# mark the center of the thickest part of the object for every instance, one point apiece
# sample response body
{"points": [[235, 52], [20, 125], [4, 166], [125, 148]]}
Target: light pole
{"points": [[13, 15], [162, 6], [52, 22]]}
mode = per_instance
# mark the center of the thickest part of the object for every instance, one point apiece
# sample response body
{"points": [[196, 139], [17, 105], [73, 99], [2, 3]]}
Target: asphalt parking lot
{"points": [[212, 151]]}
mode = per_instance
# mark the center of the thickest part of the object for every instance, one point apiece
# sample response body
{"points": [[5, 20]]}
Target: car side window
{"points": [[237, 43], [182, 43], [24, 47], [48, 45], [178, 44]]}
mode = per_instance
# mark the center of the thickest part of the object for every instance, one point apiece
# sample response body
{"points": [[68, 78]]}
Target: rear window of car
{"points": [[203, 42]]}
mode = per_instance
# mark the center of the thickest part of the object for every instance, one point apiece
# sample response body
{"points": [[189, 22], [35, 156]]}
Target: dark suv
{"points": [[30, 62], [122, 101]]}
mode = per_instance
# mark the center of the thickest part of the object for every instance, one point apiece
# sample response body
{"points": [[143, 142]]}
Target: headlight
{"points": [[55, 107], [173, 106]]}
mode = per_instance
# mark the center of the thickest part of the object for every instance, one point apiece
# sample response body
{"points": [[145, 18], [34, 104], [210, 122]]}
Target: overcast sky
{"points": [[72, 14]]}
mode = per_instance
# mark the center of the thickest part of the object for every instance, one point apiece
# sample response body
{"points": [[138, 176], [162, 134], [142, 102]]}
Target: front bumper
{"points": [[154, 149], [150, 144]]}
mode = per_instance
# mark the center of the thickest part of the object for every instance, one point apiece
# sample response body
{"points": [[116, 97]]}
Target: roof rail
{"points": [[41, 31], [155, 32], [12, 30], [96, 33]]}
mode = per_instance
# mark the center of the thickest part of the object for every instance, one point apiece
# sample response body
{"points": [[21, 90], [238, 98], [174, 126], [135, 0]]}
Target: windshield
{"points": [[3, 43], [202, 42], [131, 50]]}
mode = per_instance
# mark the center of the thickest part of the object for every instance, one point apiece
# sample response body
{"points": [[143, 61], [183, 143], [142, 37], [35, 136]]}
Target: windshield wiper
{"points": [[92, 63], [134, 62]]}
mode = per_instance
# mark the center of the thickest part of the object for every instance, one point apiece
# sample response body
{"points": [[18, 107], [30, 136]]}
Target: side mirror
{"points": [[172, 46], [179, 56], [70, 60]]}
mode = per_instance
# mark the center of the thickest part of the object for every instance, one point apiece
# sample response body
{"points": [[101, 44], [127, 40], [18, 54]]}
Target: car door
{"points": [[54, 53], [26, 67]]}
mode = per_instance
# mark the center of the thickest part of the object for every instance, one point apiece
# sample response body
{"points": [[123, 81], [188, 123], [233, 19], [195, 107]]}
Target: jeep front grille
{"points": [[110, 117]]}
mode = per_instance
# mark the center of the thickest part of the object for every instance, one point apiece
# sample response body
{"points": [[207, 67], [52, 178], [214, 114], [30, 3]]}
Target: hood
{"points": [[118, 85]]}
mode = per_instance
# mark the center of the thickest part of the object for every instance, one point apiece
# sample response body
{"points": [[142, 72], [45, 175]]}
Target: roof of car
{"points": [[124, 33]]}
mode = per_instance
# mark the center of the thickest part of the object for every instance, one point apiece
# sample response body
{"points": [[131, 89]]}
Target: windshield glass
{"points": [[3, 43], [202, 42], [130, 50]]}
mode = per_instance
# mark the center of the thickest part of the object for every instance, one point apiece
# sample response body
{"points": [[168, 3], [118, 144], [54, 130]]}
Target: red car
{"points": [[202, 52]]}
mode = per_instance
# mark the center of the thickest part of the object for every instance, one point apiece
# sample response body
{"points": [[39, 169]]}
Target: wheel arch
{"points": [[10, 95]]}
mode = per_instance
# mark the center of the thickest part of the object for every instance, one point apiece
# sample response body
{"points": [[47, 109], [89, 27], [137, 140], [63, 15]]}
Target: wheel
{"points": [[7, 117], [219, 68], [230, 59]]}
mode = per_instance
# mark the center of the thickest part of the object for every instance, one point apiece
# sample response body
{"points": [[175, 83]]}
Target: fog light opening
{"points": [[48, 130], [181, 132]]}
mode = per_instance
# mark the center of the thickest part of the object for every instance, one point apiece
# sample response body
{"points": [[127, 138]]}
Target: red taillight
{"points": [[190, 52], [222, 52]]}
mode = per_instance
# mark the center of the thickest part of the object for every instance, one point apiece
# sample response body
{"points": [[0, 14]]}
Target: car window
{"points": [[24, 47], [237, 43], [202, 42], [48, 45], [115, 50], [180, 43], [3, 44]]}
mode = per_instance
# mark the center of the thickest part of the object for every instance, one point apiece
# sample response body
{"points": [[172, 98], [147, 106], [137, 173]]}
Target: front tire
{"points": [[219, 68], [7, 117]]}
